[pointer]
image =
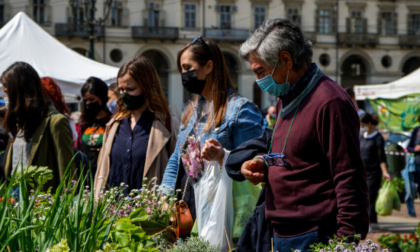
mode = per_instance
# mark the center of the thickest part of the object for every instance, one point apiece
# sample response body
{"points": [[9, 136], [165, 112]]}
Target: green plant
{"points": [[404, 243], [33, 220], [345, 244], [194, 244]]}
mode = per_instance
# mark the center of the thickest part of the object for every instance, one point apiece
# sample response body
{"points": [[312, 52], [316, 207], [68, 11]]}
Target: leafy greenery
{"points": [[72, 219], [404, 243], [345, 244]]}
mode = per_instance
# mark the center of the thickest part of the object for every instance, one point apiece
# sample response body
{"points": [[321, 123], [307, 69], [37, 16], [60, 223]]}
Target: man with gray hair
{"points": [[315, 179]]}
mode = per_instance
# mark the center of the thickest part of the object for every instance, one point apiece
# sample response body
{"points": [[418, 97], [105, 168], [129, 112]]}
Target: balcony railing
{"points": [[227, 34], [358, 39], [145, 32], [409, 40], [76, 30]]}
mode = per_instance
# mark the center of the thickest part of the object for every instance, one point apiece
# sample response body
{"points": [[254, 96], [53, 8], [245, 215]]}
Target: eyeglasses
{"points": [[196, 39], [276, 159]]}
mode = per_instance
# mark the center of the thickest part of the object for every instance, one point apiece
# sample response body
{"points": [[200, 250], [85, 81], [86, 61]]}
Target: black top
{"points": [[372, 150], [128, 153], [415, 140], [90, 141]]}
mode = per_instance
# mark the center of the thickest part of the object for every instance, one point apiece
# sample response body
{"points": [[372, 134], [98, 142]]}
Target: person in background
{"points": [[41, 135], [315, 183], [113, 96], [352, 95], [270, 118], [54, 93], [140, 138], [95, 115], [236, 119], [413, 176], [372, 149]]}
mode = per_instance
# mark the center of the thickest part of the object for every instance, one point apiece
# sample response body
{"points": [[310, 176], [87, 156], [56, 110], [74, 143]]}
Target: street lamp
{"points": [[89, 10]]}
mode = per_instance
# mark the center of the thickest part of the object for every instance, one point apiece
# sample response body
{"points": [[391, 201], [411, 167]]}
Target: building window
{"points": [[259, 15], [190, 15], [38, 11], [387, 23], [293, 15], [116, 14], [78, 12], [225, 14], [414, 24], [356, 23], [326, 21], [153, 14]]}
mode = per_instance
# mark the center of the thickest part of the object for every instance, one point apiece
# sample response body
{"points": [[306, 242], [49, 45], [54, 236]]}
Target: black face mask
{"points": [[133, 102], [191, 83], [92, 109]]}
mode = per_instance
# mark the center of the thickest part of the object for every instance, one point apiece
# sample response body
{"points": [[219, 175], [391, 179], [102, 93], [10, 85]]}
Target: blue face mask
{"points": [[268, 84]]}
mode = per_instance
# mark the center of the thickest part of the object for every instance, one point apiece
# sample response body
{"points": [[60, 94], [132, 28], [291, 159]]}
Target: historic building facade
{"points": [[354, 41]]}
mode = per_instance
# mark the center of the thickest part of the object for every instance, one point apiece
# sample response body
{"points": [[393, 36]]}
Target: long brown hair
{"points": [[144, 73], [28, 101], [203, 50]]}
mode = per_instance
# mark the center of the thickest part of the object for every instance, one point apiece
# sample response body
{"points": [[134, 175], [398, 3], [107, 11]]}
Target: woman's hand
{"points": [[417, 148], [213, 151], [387, 176]]}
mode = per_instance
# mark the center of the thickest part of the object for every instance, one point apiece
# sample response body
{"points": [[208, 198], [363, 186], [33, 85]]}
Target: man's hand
{"points": [[417, 148], [254, 170]]}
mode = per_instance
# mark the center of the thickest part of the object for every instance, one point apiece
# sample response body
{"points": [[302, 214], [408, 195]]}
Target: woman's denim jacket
{"points": [[242, 122]]}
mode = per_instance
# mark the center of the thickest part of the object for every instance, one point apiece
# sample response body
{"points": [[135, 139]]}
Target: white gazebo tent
{"points": [[21, 39], [409, 84]]}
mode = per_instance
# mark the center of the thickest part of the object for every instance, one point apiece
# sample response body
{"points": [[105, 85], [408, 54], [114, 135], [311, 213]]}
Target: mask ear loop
{"points": [[287, 76], [274, 67]]}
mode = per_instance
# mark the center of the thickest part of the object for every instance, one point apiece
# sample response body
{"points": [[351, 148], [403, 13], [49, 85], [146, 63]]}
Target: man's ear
{"points": [[286, 58], [209, 66]]}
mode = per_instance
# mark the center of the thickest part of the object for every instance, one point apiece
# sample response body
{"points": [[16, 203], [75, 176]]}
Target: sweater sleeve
{"points": [[245, 152], [338, 130]]}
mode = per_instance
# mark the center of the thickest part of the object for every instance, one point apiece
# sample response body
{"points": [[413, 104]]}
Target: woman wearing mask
{"points": [[95, 115], [41, 135], [372, 149], [233, 121], [113, 96], [140, 138]]}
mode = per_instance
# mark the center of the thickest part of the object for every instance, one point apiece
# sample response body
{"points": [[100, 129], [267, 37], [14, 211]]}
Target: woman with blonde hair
{"points": [[140, 138]]}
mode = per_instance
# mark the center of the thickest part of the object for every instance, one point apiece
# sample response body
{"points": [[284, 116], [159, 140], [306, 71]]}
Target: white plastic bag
{"points": [[214, 205]]}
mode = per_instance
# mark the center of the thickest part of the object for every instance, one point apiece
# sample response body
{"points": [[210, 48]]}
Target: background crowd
{"points": [[321, 175]]}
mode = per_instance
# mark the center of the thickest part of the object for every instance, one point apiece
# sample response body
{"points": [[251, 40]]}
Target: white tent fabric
{"points": [[409, 84], [21, 39]]}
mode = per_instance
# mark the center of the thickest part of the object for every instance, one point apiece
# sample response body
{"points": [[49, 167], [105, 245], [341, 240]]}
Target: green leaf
{"points": [[122, 238], [123, 226], [152, 228], [139, 215]]}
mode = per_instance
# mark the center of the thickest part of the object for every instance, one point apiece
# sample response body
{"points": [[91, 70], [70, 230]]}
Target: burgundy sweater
{"points": [[324, 187]]}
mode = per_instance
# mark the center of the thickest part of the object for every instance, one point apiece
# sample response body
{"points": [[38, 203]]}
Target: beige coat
{"points": [[159, 148]]}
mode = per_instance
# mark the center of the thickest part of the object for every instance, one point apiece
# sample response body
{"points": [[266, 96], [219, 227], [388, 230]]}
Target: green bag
{"points": [[245, 197], [387, 200]]}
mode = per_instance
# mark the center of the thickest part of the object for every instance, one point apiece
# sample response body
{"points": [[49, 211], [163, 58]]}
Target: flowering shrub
{"points": [[345, 245], [404, 243], [71, 217]]}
